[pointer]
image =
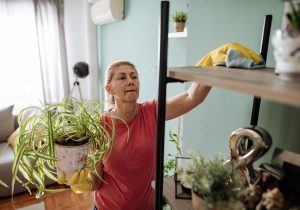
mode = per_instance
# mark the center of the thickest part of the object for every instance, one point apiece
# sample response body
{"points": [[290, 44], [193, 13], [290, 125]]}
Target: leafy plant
{"points": [[179, 16], [218, 184], [67, 122], [169, 165], [171, 160], [293, 16]]}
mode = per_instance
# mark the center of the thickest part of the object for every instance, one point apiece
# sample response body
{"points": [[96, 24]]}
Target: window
{"points": [[20, 75]]}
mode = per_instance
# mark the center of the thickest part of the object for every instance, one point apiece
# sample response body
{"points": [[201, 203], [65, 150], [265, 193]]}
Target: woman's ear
{"points": [[107, 88]]}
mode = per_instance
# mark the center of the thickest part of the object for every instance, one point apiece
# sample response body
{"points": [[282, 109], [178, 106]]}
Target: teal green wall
{"points": [[211, 24], [136, 39], [133, 39], [209, 126]]}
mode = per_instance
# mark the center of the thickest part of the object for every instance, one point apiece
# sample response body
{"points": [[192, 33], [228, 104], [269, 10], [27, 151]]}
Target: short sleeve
{"points": [[151, 106]]}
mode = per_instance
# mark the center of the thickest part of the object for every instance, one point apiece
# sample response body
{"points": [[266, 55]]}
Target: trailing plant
{"points": [[179, 16], [218, 184], [69, 122], [171, 159], [169, 165]]}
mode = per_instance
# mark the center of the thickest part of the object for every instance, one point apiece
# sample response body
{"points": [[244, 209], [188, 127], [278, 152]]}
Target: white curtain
{"points": [[33, 65], [49, 16], [20, 77]]}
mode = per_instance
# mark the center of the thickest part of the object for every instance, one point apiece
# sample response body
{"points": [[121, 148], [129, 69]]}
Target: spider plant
{"points": [[3, 184], [69, 122]]}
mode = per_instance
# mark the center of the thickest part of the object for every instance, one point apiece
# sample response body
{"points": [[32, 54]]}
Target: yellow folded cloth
{"points": [[218, 56]]}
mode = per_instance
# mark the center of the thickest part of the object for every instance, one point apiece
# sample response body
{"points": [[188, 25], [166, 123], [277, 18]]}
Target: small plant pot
{"points": [[179, 26], [286, 46], [197, 201], [71, 158]]}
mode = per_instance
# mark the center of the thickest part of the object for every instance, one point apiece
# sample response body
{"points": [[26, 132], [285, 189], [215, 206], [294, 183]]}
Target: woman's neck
{"points": [[125, 111]]}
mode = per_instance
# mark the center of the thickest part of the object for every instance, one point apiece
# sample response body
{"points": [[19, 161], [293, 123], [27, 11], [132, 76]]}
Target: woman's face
{"points": [[125, 84]]}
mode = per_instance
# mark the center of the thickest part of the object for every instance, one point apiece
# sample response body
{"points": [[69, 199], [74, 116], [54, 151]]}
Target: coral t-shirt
{"points": [[130, 167]]}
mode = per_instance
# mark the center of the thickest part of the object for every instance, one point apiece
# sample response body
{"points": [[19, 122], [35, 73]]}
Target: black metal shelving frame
{"points": [[264, 53], [162, 88], [161, 112]]}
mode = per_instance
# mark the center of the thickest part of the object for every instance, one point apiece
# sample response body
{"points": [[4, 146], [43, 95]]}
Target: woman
{"points": [[128, 171]]}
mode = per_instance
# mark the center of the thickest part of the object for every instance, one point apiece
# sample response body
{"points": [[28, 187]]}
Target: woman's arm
{"points": [[97, 177], [186, 101]]}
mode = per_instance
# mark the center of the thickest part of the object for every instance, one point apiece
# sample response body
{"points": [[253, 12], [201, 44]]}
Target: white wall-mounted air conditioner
{"points": [[106, 11]]}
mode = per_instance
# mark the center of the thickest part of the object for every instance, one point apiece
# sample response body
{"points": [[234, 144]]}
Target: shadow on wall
{"points": [[283, 122]]}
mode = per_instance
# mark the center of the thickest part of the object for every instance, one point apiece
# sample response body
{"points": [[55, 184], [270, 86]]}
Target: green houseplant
{"points": [[171, 160], [179, 18], [286, 44], [69, 122], [293, 16], [214, 185]]}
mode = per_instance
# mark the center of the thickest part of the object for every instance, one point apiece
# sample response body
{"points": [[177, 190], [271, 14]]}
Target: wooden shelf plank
{"points": [[262, 83]]}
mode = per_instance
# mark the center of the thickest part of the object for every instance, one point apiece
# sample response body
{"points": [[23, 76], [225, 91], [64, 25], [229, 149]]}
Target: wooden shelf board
{"points": [[262, 83]]}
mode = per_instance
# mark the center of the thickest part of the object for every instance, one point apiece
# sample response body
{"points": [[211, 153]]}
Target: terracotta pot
{"points": [[70, 158], [179, 26], [196, 201]]}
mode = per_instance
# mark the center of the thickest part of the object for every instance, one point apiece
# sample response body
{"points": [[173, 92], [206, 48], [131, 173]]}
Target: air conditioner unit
{"points": [[106, 11]]}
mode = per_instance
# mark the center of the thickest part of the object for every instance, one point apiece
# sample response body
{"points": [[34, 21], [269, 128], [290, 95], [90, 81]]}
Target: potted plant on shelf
{"points": [[286, 43], [179, 19], [50, 128], [214, 185]]}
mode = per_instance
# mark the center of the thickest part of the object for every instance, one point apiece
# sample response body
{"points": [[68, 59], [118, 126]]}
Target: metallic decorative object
{"points": [[248, 145]]}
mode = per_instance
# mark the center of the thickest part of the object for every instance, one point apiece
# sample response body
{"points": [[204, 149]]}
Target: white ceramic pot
{"points": [[70, 158], [287, 54]]}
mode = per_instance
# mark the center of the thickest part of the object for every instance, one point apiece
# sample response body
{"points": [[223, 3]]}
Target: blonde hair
{"points": [[109, 74]]}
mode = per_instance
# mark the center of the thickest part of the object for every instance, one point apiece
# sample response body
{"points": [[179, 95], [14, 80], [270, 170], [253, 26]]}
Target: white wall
{"points": [[81, 45]]}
